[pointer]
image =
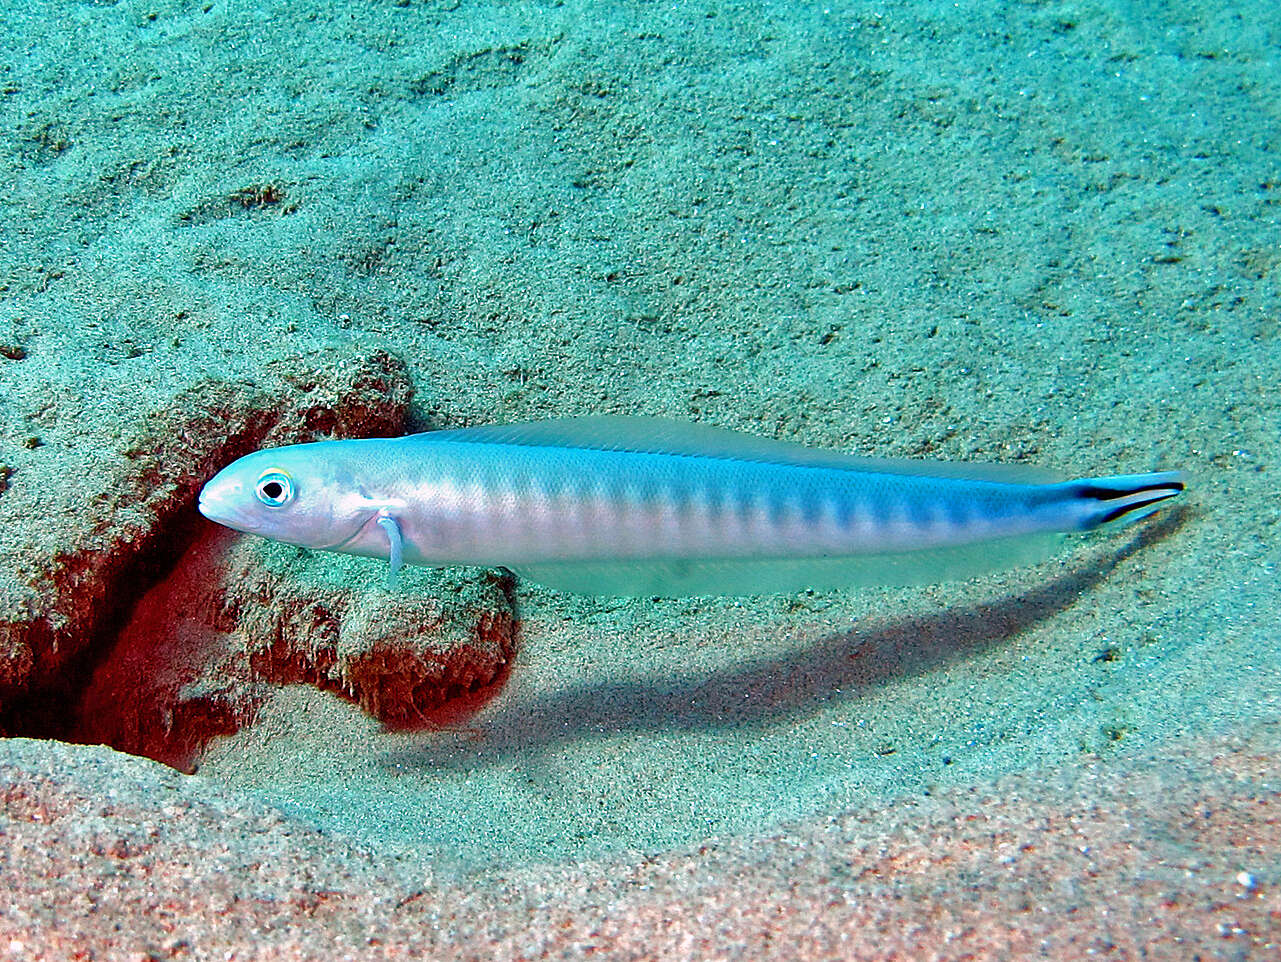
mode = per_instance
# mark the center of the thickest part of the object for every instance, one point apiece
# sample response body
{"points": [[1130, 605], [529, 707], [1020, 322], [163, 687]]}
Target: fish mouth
{"points": [[218, 505]]}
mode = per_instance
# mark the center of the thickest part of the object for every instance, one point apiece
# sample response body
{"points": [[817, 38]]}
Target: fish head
{"points": [[301, 494]]}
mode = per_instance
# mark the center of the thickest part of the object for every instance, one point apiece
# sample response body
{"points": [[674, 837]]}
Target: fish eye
{"points": [[275, 489]]}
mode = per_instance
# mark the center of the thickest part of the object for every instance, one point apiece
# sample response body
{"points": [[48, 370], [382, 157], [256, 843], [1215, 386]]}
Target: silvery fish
{"points": [[639, 506]]}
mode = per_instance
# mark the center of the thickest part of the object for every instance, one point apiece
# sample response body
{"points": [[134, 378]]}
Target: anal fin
{"points": [[737, 576]]}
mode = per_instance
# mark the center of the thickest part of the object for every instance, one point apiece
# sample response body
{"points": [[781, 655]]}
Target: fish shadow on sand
{"points": [[763, 691]]}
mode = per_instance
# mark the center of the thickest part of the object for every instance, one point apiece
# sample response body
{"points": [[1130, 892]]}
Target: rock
{"points": [[239, 615], [186, 664]]}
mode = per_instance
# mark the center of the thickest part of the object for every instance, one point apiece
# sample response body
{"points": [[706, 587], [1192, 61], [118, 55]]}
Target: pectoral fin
{"points": [[396, 546]]}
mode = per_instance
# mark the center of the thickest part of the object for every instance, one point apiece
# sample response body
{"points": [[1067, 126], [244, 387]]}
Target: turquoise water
{"points": [[1040, 232]]}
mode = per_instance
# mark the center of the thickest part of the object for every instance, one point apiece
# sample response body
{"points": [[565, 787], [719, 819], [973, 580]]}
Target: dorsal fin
{"points": [[664, 436]]}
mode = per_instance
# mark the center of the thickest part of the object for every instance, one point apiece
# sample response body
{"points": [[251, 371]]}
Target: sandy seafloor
{"points": [[1042, 232]]}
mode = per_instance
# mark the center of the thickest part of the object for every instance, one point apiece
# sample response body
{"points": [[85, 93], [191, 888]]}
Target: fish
{"points": [[636, 506]]}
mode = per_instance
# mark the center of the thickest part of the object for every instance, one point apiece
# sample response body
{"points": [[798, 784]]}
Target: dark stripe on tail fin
{"points": [[1127, 497]]}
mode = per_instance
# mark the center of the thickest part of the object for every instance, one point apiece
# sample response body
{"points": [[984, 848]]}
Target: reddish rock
{"points": [[79, 559], [238, 615], [84, 654]]}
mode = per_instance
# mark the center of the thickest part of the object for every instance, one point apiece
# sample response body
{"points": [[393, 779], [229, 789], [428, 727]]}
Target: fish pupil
{"points": [[274, 490]]}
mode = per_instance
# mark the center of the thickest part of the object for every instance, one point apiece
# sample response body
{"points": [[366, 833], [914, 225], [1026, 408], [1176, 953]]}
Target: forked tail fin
{"points": [[1123, 498]]}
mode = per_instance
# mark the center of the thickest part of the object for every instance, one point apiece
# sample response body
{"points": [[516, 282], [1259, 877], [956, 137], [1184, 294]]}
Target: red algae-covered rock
{"points": [[94, 654], [238, 616], [1169, 856], [76, 548]]}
